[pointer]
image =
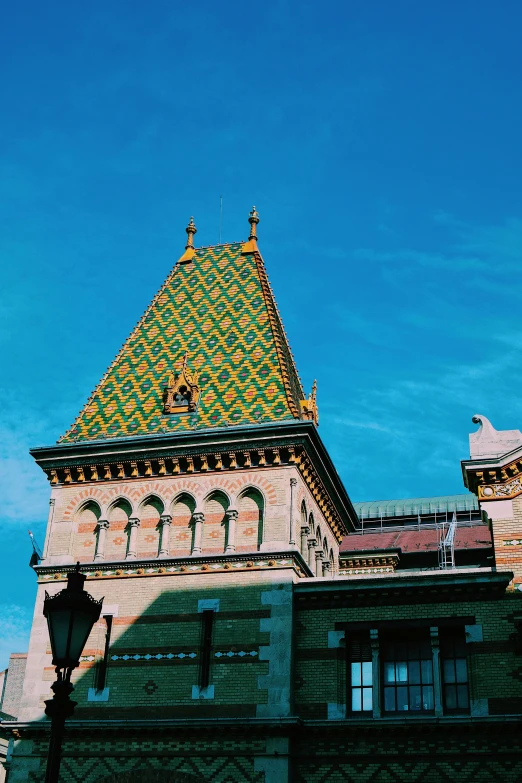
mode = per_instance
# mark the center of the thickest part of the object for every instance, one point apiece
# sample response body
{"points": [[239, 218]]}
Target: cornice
{"points": [[246, 447], [498, 478], [432, 587], [179, 566]]}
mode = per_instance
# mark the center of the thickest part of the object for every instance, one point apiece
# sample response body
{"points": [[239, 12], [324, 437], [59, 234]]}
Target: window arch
{"points": [[86, 531], [214, 528], [250, 507], [303, 514], [182, 529], [149, 513], [118, 514]]}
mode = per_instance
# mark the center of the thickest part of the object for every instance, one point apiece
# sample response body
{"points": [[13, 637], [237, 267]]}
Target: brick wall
{"points": [[14, 681]]}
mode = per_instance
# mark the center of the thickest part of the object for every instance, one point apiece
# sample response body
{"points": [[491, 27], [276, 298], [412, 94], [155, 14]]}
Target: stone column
{"points": [[326, 567], [293, 484], [134, 524], [165, 522], [103, 526], [197, 519], [305, 532], [312, 543], [376, 674], [437, 686], [231, 516], [319, 562]]}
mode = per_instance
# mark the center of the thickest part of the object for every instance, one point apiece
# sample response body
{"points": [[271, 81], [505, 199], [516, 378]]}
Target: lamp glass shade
{"points": [[70, 615]]}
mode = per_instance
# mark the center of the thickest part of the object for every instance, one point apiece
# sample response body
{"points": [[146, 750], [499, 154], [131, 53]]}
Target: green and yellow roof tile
{"points": [[216, 306]]}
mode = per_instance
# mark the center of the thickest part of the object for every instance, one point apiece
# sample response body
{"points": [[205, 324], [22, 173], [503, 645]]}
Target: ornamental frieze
{"points": [[510, 489]]}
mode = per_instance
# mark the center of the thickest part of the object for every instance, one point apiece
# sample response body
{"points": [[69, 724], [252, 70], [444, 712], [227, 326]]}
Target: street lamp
{"points": [[70, 614]]}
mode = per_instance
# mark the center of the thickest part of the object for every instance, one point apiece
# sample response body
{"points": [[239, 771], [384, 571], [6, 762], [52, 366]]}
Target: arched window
{"points": [[149, 514], [182, 529], [303, 514], [249, 534], [86, 532], [214, 528], [118, 532]]}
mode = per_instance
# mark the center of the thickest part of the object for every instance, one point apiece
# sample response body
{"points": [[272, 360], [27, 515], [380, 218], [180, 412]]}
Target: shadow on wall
{"points": [[153, 670]]}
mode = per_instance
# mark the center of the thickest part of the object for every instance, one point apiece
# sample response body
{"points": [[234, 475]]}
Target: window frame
{"points": [[454, 637], [424, 681], [362, 640]]}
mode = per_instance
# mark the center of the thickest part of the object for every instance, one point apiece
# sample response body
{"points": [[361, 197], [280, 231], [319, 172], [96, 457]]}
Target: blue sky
{"points": [[381, 144]]}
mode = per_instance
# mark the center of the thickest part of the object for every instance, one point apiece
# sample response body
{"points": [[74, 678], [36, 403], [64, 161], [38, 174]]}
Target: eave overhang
{"points": [[300, 438], [399, 588]]}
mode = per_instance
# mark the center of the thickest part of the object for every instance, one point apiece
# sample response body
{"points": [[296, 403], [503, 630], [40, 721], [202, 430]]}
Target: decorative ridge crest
{"points": [[291, 382]]}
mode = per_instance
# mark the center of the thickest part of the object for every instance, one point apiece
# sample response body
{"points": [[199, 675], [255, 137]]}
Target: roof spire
{"points": [[190, 252], [253, 220], [191, 230]]}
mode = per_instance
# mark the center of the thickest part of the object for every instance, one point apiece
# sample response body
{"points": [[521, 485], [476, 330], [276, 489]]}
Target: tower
{"points": [[195, 491]]}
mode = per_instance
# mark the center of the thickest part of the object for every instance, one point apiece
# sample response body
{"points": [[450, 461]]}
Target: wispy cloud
{"points": [[460, 263]]}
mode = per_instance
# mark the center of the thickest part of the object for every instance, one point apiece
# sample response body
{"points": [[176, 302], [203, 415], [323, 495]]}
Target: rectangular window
{"points": [[407, 669], [359, 674], [101, 667], [454, 665], [207, 622]]}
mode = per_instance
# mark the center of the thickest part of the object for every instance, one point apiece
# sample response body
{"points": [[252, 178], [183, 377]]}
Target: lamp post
{"points": [[70, 614]]}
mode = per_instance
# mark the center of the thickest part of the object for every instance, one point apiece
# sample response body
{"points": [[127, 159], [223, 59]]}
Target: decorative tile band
{"points": [[170, 656], [354, 571], [182, 568], [512, 542]]}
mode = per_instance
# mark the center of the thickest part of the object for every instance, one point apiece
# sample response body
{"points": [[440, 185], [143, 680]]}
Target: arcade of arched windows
{"points": [[218, 523], [315, 547]]}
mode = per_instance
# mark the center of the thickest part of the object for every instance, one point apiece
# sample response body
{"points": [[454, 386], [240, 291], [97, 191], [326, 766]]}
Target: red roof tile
{"points": [[477, 537]]}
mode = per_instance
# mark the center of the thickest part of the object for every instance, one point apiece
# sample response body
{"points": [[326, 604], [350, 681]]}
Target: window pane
{"points": [[427, 698], [367, 673], [462, 670], [367, 699], [401, 671], [356, 673], [414, 672], [389, 672], [449, 671], [462, 697], [356, 700], [389, 699], [427, 672], [450, 692], [402, 698], [415, 697]]}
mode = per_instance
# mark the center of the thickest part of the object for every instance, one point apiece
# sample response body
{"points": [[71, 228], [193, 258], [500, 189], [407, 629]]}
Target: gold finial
{"points": [[253, 220], [191, 230]]}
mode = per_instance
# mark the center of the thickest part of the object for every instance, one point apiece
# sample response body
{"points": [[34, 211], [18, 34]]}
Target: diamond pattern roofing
{"points": [[219, 308]]}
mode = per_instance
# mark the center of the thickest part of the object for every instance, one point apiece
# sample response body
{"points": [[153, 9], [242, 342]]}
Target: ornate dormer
{"points": [[309, 406], [182, 392]]}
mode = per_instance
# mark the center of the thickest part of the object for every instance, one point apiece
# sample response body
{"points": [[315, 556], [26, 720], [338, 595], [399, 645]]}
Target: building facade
{"points": [[256, 625]]}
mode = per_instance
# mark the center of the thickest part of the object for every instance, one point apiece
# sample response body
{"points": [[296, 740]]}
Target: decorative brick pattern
{"points": [[220, 310]]}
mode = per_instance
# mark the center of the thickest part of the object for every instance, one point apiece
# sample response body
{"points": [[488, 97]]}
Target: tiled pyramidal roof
{"points": [[218, 308]]}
